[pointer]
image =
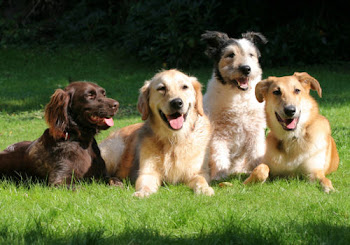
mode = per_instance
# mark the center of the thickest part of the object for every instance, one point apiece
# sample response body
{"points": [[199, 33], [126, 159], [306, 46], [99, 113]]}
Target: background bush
{"points": [[168, 32]]}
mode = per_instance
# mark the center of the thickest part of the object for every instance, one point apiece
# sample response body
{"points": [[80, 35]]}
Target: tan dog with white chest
{"points": [[300, 141], [171, 145]]}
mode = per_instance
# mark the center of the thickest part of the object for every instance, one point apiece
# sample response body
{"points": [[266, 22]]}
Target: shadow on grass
{"points": [[233, 234], [11, 105], [322, 233], [231, 178]]}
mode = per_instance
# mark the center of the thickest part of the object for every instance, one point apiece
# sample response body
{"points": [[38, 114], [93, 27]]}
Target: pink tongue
{"points": [[109, 121], [292, 124], [243, 82], [176, 123]]}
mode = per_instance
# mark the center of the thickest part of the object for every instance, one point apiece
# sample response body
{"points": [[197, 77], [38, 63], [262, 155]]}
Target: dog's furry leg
{"points": [[147, 184], [324, 181], [219, 162], [200, 185], [259, 174]]}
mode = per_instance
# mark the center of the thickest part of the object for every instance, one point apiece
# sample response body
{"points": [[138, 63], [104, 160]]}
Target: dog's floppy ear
{"points": [[308, 82], [215, 41], [143, 105], [255, 37], [199, 97], [56, 113], [261, 89]]}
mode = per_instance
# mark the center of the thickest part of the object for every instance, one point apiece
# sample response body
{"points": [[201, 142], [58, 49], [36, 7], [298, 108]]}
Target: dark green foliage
{"points": [[53, 22], [168, 32], [297, 43], [93, 21]]}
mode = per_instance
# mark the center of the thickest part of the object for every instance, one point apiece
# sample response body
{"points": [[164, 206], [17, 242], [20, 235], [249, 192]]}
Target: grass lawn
{"points": [[277, 212]]}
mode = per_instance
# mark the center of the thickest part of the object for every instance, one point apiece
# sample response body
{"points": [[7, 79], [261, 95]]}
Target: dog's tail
{"points": [[334, 158]]}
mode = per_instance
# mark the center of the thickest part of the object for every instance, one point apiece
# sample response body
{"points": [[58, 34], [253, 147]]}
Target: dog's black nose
{"points": [[176, 103], [113, 104], [289, 110], [245, 69]]}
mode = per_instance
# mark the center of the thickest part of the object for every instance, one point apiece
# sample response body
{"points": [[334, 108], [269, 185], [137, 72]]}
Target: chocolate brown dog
{"points": [[67, 150]]}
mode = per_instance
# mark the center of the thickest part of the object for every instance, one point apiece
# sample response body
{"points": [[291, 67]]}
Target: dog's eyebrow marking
{"points": [[232, 42]]}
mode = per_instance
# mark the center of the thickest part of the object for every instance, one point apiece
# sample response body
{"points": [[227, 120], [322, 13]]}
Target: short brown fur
{"points": [[67, 150], [298, 144]]}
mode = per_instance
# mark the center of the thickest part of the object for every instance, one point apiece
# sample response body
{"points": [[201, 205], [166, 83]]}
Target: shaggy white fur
{"points": [[238, 119]]}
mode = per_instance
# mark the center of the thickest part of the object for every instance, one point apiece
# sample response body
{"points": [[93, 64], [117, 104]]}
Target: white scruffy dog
{"points": [[238, 141]]}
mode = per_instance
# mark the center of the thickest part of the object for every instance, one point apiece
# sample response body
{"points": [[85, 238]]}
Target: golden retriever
{"points": [[171, 145], [300, 141]]}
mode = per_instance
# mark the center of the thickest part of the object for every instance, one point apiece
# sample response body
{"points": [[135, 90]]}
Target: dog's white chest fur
{"points": [[224, 99], [295, 156], [238, 141]]}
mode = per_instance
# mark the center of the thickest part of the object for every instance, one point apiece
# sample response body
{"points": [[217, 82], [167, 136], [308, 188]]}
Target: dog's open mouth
{"points": [[289, 123], [101, 121], [175, 121], [242, 83]]}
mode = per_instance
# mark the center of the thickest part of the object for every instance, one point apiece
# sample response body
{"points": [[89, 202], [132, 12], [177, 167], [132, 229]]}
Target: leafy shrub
{"points": [[88, 22], [26, 22], [168, 31], [53, 22], [297, 43]]}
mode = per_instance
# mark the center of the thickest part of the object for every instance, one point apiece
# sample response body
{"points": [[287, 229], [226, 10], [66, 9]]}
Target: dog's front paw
{"points": [[259, 174], [208, 191], [114, 181], [326, 183], [328, 189], [142, 193]]}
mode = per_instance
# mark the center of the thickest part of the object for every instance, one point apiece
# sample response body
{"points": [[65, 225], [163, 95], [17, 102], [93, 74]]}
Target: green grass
{"points": [[277, 212]]}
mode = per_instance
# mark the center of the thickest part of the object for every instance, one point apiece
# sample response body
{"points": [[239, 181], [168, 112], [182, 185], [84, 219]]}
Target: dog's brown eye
{"points": [[91, 95], [184, 87], [161, 89], [231, 55], [251, 55], [297, 91], [277, 92]]}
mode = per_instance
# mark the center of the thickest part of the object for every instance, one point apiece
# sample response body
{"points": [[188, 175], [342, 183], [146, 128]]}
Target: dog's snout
{"points": [[245, 69], [113, 104], [176, 103], [289, 110]]}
